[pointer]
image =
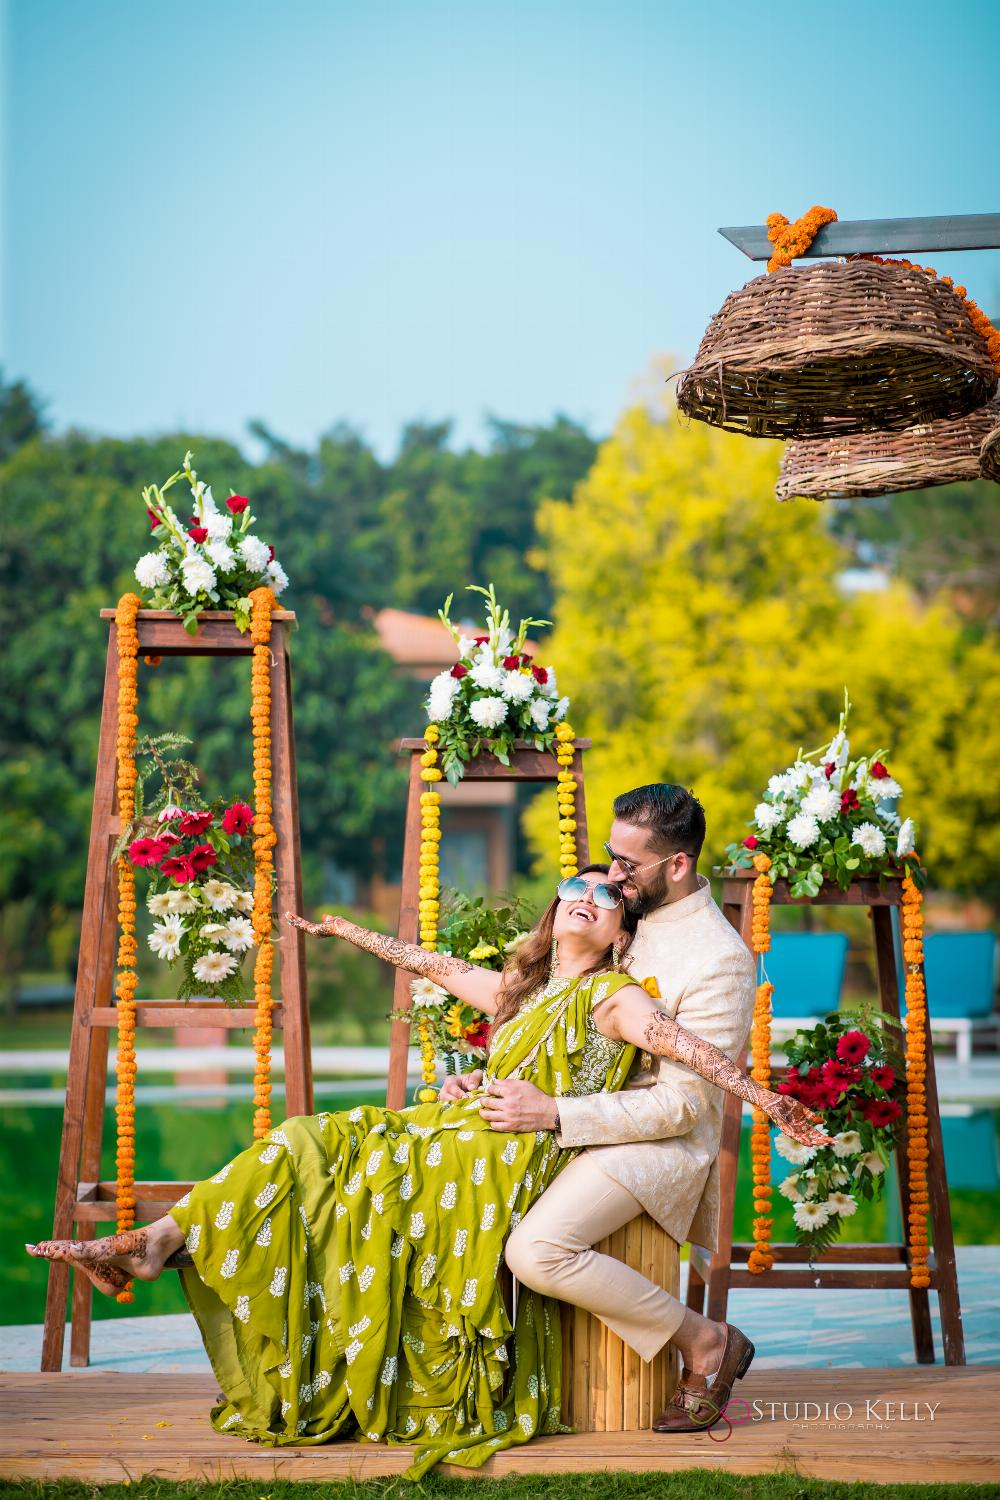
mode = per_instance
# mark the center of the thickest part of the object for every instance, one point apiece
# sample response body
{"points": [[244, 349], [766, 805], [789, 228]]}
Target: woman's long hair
{"points": [[528, 968]]}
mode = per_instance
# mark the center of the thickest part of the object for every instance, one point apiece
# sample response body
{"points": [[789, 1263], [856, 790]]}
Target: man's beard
{"points": [[651, 898]]}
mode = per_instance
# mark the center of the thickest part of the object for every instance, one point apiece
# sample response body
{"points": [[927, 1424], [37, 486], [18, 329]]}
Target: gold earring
{"points": [[616, 956], [553, 959]]}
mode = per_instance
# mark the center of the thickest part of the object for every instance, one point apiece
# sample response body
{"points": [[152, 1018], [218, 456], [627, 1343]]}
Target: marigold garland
{"points": [[262, 603], [912, 917], [977, 317], [566, 800], [790, 240], [429, 904], [126, 978], [761, 1257]]}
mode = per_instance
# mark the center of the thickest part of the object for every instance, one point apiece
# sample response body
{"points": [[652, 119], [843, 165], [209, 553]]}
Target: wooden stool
{"points": [[607, 1387]]}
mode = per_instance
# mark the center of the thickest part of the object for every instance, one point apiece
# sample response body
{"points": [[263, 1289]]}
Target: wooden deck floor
{"points": [[103, 1426]]}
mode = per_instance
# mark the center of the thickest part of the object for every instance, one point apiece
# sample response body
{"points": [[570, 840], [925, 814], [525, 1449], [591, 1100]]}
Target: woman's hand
{"points": [[329, 927], [457, 1085], [796, 1120]]}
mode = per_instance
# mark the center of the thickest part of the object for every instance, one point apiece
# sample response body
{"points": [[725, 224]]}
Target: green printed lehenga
{"points": [[345, 1274]]}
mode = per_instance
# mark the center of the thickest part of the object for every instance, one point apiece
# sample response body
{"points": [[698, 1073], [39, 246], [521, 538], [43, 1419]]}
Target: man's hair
{"points": [[673, 816]]}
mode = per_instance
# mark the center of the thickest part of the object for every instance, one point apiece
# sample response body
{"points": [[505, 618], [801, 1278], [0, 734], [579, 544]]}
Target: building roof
{"points": [[420, 643]]}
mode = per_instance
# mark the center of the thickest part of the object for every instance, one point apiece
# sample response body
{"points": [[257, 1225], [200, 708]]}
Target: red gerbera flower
{"points": [[144, 852], [478, 1035], [844, 1074], [178, 868], [881, 1111], [238, 818], [167, 839], [853, 1046], [193, 823], [202, 857], [884, 1076]]}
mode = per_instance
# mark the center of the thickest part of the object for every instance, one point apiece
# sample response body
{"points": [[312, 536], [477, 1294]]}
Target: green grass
{"points": [[683, 1484]]}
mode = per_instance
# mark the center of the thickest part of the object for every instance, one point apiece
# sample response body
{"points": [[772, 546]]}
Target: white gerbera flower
{"points": [[846, 1143], [811, 1215], [441, 698], [905, 839], [518, 686], [218, 524], [183, 901], [255, 553], [789, 1188], [886, 789], [277, 576], [199, 575], [220, 895], [222, 555], [809, 1184], [872, 1161], [792, 1151], [486, 674], [239, 935], [871, 839], [821, 801], [212, 968], [488, 712], [212, 931], [426, 992], [244, 901], [165, 938], [161, 905], [540, 710], [803, 830], [839, 1178], [767, 816], [842, 1204], [151, 570]]}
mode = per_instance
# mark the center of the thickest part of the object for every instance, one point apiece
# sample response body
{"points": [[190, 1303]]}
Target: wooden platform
{"points": [[102, 1426]]}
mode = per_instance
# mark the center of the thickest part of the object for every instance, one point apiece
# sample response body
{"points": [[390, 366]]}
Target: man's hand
{"points": [[457, 1085], [513, 1105]]}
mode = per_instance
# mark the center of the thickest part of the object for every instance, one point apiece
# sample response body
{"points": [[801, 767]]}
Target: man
{"points": [[654, 1145]]}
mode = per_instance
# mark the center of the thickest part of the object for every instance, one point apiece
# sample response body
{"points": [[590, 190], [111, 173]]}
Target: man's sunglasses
{"points": [[575, 888], [632, 870]]}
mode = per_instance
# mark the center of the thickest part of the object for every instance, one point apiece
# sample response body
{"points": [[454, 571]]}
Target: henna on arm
{"points": [[665, 1038]]}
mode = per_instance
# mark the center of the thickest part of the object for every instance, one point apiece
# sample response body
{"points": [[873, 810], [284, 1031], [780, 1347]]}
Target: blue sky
{"points": [[311, 211]]}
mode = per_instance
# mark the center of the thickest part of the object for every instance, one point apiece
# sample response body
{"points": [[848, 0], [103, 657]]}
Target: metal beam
{"points": [[881, 236]]}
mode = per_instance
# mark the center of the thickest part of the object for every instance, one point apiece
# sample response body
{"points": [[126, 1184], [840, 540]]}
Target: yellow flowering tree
{"points": [[703, 638]]}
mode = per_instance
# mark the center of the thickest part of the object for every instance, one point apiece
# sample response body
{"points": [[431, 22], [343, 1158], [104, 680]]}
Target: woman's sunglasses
{"points": [[575, 888]]}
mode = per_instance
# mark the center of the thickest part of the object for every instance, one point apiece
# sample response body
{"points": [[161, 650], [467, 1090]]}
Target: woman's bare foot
{"points": [[138, 1254]]}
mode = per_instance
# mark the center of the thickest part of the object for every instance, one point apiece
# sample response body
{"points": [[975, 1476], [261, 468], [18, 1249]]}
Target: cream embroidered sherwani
{"points": [[659, 1136]]}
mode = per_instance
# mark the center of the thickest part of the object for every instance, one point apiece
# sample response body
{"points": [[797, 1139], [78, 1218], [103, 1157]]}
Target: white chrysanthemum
{"points": [[218, 524], [212, 968], [151, 570], [244, 901], [441, 697], [561, 708], [846, 1143], [198, 575], [165, 938], [792, 1151], [842, 1204], [886, 789], [277, 577], [255, 553], [767, 816], [238, 934], [222, 555], [486, 674], [789, 1188], [426, 992], [871, 839], [220, 895], [905, 839], [800, 775], [822, 801], [160, 905], [183, 901], [518, 686], [488, 712], [540, 710], [803, 830], [872, 1161], [781, 785], [811, 1215]]}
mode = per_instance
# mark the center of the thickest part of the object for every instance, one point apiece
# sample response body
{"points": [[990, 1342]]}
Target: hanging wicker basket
{"points": [[882, 463], [837, 346], [989, 454]]}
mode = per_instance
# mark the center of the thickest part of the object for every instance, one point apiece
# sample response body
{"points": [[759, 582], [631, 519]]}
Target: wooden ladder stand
{"points": [[526, 765], [81, 1198], [842, 1265]]}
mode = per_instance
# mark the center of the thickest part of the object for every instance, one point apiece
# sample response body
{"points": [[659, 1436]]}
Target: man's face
{"points": [[646, 889]]}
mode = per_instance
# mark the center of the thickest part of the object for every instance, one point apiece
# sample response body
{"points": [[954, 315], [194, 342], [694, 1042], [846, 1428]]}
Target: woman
{"points": [[344, 1273]]}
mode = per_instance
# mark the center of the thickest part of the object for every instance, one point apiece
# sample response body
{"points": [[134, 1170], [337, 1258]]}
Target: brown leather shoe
{"points": [[695, 1405]]}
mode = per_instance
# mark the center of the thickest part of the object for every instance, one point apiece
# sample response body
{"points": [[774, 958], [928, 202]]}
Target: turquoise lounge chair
{"points": [[807, 971]]}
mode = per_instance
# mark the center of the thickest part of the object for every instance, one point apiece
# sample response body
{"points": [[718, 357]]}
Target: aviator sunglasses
{"points": [[575, 888]]}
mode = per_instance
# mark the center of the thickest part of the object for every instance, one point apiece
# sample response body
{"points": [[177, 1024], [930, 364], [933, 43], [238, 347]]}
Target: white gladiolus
{"points": [[792, 1151], [165, 938], [840, 749], [255, 553], [803, 830], [221, 555], [811, 1215], [198, 575], [488, 712], [904, 841], [238, 935], [767, 816], [486, 674], [540, 710], [466, 646], [212, 968], [518, 686], [842, 1204], [561, 708], [871, 840], [277, 577], [821, 801], [846, 1143], [151, 570]]}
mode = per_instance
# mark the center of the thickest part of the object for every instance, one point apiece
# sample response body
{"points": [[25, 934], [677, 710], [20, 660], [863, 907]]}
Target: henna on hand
{"points": [[430, 965]]}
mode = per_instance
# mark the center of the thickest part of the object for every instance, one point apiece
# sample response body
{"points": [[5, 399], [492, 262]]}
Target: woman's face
{"points": [[591, 925]]}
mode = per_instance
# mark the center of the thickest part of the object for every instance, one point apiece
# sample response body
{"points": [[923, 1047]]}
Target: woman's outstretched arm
{"points": [[631, 1016], [468, 982]]}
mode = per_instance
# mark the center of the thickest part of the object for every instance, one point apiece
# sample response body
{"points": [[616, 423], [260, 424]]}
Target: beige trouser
{"points": [[551, 1251]]}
